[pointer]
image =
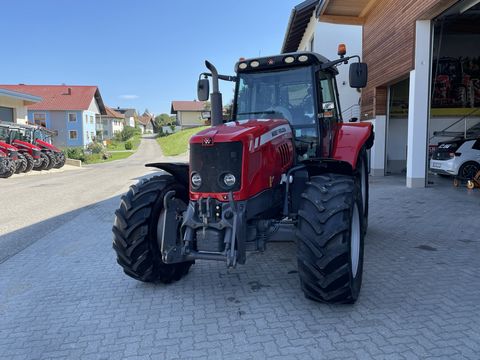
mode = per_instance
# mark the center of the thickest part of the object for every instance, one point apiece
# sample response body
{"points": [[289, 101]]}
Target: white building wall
{"points": [[326, 39], [20, 112]]}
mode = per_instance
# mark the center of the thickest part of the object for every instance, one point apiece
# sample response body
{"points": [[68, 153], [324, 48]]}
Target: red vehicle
{"points": [[7, 165], [14, 134], [23, 162], [285, 168], [42, 137]]}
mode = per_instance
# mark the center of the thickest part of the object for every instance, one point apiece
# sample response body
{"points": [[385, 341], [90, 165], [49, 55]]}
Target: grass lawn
{"points": [[177, 143], [97, 158], [120, 145]]}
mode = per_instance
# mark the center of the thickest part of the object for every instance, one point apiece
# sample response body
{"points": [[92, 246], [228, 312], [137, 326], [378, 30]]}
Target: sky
{"points": [[141, 54]]}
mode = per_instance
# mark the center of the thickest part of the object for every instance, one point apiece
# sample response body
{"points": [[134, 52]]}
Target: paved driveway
{"points": [[63, 296]]}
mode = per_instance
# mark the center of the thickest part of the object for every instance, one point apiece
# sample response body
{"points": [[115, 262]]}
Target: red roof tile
{"points": [[57, 97], [114, 114], [187, 106]]}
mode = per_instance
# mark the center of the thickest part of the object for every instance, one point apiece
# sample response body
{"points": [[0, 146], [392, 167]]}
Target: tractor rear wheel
{"points": [[43, 163], [30, 162], [7, 167], [21, 164], [59, 160], [51, 160], [135, 231], [330, 239]]}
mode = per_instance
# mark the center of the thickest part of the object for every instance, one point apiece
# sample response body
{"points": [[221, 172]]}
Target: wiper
{"points": [[258, 112]]}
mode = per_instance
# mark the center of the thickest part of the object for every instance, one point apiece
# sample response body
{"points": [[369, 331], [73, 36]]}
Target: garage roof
{"points": [[27, 98], [299, 19]]}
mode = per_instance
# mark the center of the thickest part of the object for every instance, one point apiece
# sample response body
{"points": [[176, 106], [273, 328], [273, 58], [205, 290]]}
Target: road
{"points": [[31, 200], [63, 296]]}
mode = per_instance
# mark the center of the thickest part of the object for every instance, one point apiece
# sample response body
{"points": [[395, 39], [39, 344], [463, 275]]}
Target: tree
{"points": [[164, 120]]}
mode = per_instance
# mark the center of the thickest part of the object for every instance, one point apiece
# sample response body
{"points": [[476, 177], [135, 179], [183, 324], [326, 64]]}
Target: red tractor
{"points": [[7, 165], [286, 168], [22, 161], [16, 135], [42, 137]]}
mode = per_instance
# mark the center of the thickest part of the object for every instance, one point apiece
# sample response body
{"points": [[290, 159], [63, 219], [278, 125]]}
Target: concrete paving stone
{"points": [[62, 295]]}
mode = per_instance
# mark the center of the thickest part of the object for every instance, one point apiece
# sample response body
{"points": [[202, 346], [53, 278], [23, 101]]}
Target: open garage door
{"points": [[454, 127]]}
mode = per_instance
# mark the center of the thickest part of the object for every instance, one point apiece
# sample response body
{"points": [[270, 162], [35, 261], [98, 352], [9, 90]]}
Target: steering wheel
{"points": [[284, 111]]}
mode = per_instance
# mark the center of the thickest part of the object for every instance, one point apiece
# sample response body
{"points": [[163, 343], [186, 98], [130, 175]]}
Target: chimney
{"points": [[69, 91]]}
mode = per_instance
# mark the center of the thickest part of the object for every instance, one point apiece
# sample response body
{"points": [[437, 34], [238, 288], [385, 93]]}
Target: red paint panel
{"points": [[349, 140]]}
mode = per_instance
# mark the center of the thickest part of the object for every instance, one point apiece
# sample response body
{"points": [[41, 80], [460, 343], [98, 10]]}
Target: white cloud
{"points": [[129, 97]]}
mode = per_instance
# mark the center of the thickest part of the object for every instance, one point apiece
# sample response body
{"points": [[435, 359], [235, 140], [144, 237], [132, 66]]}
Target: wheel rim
{"points": [[469, 171], [355, 241]]}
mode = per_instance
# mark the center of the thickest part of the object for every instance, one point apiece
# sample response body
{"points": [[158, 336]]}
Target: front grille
{"points": [[213, 162]]}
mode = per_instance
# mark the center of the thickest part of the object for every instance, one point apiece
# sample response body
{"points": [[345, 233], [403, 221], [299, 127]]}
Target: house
{"points": [[68, 109], [146, 123], [131, 116], [110, 124], [306, 33], [13, 105], [190, 113]]}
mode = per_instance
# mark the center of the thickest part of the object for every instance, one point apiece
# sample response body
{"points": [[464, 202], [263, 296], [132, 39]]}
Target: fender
{"points": [[349, 140], [46, 145], [180, 171]]}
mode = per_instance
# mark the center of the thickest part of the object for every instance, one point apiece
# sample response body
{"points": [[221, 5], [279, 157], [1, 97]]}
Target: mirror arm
{"points": [[344, 60], [221, 77]]}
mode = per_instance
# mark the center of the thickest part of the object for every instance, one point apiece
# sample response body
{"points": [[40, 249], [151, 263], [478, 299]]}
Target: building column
{"points": [[377, 154], [419, 107]]}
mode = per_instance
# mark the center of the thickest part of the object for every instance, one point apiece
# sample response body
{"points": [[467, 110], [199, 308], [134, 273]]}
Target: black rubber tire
{"points": [[7, 167], [21, 164], [325, 222], [468, 170], [135, 231], [59, 160], [363, 166], [44, 164], [29, 159], [51, 160]]}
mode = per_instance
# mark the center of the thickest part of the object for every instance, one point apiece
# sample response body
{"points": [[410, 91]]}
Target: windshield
{"points": [[286, 94]]}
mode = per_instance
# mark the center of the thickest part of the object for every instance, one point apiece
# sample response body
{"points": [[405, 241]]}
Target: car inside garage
{"points": [[454, 126]]}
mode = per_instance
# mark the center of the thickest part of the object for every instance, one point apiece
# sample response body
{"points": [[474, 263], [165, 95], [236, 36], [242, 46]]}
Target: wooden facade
{"points": [[389, 46]]}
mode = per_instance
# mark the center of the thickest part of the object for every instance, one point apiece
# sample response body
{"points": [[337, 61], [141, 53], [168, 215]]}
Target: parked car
{"points": [[457, 158]]}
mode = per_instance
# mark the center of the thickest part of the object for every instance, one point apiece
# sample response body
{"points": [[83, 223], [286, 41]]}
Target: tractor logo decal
{"points": [[274, 133], [207, 141]]}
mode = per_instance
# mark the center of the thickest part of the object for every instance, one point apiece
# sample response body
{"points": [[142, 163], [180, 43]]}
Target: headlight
{"points": [[229, 180], [196, 180]]}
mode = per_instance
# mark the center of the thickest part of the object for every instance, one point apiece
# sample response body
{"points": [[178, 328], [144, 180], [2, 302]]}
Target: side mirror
{"points": [[203, 89], [358, 75]]}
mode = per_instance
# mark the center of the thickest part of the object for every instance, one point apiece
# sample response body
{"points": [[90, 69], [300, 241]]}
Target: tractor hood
{"points": [[25, 145], [254, 132], [46, 145], [7, 147]]}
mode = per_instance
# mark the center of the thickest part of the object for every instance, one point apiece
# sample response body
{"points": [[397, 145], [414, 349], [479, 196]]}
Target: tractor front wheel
{"points": [[330, 239], [7, 167], [51, 160], [21, 164], [30, 162], [42, 163], [60, 160], [136, 226]]}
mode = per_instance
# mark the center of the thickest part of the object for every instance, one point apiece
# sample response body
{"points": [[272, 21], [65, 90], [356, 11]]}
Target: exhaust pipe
{"points": [[216, 97]]}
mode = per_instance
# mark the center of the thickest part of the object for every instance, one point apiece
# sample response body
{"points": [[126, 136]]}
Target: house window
{"points": [[73, 134], [91, 119], [72, 117], [92, 135], [40, 119]]}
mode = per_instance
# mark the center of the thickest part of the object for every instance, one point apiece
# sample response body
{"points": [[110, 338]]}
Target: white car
{"points": [[458, 158]]}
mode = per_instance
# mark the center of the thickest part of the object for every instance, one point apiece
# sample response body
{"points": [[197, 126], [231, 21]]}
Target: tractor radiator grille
{"points": [[213, 162], [285, 154]]}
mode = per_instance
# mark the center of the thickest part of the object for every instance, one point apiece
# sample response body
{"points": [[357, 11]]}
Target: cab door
{"points": [[328, 111]]}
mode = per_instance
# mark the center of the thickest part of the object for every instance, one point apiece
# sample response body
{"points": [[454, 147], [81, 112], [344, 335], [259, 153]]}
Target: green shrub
{"points": [[96, 148], [128, 145], [75, 153], [127, 133]]}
